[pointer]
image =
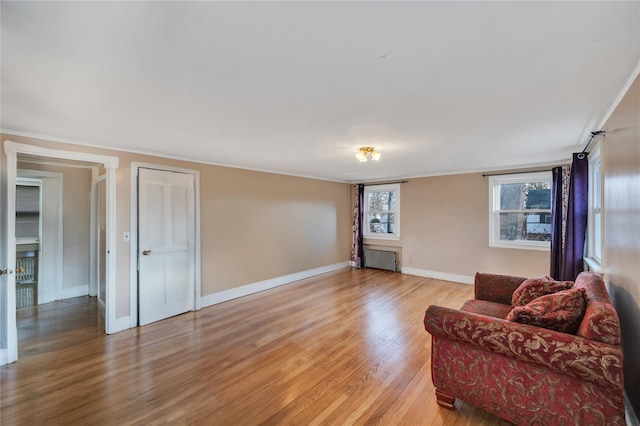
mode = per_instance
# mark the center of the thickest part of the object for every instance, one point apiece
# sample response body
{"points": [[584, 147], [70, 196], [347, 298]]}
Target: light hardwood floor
{"points": [[343, 348]]}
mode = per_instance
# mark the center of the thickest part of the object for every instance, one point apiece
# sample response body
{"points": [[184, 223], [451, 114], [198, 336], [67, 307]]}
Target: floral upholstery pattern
{"points": [[600, 323], [526, 374], [490, 309], [561, 352], [532, 288], [561, 311], [520, 392]]}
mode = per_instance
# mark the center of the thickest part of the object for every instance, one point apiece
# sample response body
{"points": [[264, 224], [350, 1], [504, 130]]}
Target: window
{"points": [[382, 211], [520, 211], [594, 226]]}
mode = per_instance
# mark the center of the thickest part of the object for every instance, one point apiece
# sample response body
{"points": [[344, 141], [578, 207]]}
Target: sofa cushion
{"points": [[484, 307], [600, 323], [561, 311], [532, 288]]}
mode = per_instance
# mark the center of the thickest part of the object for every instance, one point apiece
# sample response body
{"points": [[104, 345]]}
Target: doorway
{"points": [[8, 332]]}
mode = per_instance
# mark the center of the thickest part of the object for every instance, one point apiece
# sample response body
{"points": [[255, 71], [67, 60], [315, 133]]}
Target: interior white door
{"points": [[166, 249], [8, 328]]}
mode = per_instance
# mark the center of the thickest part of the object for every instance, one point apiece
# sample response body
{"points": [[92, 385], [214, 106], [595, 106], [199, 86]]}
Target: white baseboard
{"points": [[630, 414], [438, 275], [245, 290], [77, 291], [3, 356]]}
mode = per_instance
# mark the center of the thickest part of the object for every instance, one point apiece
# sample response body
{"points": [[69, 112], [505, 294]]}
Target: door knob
{"points": [[146, 252]]}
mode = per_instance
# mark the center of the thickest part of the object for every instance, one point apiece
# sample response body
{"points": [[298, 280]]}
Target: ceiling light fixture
{"points": [[365, 152]]}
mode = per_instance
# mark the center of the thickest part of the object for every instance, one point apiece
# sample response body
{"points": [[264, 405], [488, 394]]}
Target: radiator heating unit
{"points": [[381, 259]]}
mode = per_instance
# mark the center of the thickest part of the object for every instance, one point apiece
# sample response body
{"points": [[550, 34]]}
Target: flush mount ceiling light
{"points": [[365, 152]]}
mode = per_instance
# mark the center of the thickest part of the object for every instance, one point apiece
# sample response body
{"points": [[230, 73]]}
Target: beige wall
{"points": [[445, 228], [621, 167], [76, 193], [263, 226], [254, 226]]}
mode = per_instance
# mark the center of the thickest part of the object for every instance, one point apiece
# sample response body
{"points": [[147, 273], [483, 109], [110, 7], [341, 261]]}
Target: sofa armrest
{"points": [[495, 287], [565, 353]]}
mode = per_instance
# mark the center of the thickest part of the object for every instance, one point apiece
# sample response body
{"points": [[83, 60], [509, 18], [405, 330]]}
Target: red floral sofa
{"points": [[524, 373]]}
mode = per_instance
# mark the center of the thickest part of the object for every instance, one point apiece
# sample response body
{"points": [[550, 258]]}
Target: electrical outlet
{"points": [[126, 236]]}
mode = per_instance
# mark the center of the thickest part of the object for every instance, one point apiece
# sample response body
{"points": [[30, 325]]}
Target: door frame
{"points": [[135, 167], [12, 149]]}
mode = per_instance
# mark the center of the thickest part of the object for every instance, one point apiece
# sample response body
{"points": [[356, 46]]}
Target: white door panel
{"points": [[166, 244]]}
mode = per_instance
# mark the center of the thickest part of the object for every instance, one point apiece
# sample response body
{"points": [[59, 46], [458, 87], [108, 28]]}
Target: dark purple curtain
{"points": [[357, 249], [556, 223], [572, 263]]}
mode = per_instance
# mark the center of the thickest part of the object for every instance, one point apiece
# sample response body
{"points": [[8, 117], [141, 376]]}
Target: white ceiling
{"points": [[297, 87]]}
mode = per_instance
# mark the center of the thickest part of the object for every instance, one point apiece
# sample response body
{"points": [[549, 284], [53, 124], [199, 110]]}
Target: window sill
{"points": [[593, 264], [520, 246], [381, 237]]}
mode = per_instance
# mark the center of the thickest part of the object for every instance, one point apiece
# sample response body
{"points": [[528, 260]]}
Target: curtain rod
{"points": [[581, 156], [591, 139]]}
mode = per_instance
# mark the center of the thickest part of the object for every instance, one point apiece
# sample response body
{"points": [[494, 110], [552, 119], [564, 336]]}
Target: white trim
{"points": [[494, 210], [625, 89], [245, 290], [392, 187], [445, 276], [448, 172], [593, 264], [595, 157], [158, 154], [111, 164], [133, 246], [10, 295], [108, 161], [77, 291], [4, 358]]}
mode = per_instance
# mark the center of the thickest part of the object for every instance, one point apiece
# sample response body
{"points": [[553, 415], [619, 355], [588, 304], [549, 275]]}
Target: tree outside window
{"points": [[382, 208], [521, 210]]}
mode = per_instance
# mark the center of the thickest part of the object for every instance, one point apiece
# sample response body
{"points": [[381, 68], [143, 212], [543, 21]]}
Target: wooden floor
{"points": [[343, 348]]}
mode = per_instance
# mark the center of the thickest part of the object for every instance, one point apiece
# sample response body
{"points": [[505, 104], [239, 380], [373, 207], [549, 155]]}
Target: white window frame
{"points": [[494, 210], [595, 227], [381, 188]]}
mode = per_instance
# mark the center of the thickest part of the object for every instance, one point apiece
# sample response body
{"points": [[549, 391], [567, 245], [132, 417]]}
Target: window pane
{"points": [[596, 186], [382, 201], [597, 243], [382, 223], [525, 196], [525, 226]]}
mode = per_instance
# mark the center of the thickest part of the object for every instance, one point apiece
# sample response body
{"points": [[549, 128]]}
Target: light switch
{"points": [[126, 236]]}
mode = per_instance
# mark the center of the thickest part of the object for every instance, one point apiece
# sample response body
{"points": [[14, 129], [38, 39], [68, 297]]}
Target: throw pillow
{"points": [[561, 311], [532, 288]]}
